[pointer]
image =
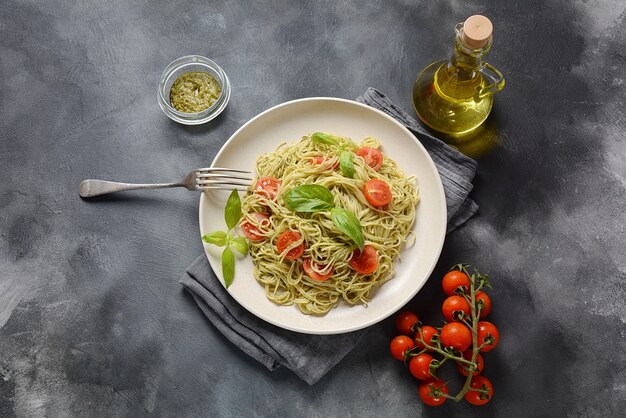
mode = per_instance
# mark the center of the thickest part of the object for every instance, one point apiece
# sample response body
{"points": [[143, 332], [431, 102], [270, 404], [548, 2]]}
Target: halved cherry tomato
{"points": [[453, 280], [479, 398], [405, 321], [372, 157], [285, 240], [427, 335], [486, 301], [487, 330], [251, 231], [365, 262], [430, 391], [377, 192], [462, 367], [399, 345], [308, 266], [456, 335], [419, 366], [453, 304], [268, 187]]}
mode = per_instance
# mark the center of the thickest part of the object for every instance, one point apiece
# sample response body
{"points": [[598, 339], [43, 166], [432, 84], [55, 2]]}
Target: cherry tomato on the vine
{"points": [[456, 335], [453, 304], [430, 391], [419, 366], [487, 330], [479, 398], [453, 280], [405, 321], [486, 302], [462, 367], [399, 345], [427, 335]]}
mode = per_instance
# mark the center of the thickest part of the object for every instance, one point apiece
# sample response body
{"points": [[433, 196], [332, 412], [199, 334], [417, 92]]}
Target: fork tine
{"points": [[241, 188], [217, 169], [209, 176], [227, 182]]}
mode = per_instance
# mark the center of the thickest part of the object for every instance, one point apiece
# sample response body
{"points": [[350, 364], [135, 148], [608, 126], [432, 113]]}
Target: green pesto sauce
{"points": [[193, 92]]}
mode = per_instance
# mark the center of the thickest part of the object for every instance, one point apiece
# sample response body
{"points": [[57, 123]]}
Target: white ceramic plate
{"points": [[289, 122]]}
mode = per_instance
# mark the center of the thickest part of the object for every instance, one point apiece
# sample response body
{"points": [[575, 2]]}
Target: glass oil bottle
{"points": [[455, 96]]}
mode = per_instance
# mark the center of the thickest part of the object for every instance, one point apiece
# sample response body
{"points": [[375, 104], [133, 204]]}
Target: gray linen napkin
{"points": [[312, 356]]}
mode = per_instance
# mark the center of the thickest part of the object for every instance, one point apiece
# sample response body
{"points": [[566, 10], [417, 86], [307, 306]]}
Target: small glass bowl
{"points": [[191, 63]]}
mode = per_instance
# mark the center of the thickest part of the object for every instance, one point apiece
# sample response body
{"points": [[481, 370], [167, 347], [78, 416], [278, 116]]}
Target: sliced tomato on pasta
{"points": [[366, 261], [377, 192], [286, 240], [268, 187], [314, 270], [255, 230], [372, 156]]}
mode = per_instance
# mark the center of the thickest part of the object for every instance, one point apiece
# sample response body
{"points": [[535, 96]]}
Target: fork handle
{"points": [[91, 188]]}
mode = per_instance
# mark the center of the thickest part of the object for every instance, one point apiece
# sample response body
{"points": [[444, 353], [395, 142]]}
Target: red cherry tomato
{"points": [[453, 280], [405, 321], [377, 192], [268, 187], [486, 300], [372, 157], [487, 330], [462, 367], [479, 398], [285, 240], [430, 391], [399, 345], [365, 262], [427, 335], [251, 230], [419, 366], [456, 335], [454, 304], [310, 269]]}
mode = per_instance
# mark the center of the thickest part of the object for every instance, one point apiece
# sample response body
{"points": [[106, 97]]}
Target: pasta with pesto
{"points": [[303, 258]]}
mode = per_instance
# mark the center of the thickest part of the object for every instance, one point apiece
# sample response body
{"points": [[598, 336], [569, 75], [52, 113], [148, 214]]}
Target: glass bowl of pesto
{"points": [[193, 90]]}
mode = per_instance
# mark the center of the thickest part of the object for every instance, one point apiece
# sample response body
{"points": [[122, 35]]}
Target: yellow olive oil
{"points": [[455, 96]]}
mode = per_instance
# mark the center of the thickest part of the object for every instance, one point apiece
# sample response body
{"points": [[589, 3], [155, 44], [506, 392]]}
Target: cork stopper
{"points": [[477, 31]]}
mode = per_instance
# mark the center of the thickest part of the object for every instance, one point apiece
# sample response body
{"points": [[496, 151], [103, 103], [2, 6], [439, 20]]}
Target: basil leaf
{"points": [[232, 211], [346, 163], [228, 266], [322, 138], [309, 198], [216, 238], [349, 224], [240, 244]]}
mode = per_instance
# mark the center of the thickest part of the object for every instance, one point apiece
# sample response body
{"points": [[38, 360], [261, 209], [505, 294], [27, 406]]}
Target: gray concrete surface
{"points": [[93, 321]]}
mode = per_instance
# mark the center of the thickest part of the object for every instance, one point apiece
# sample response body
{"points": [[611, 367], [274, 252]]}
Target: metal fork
{"points": [[197, 180]]}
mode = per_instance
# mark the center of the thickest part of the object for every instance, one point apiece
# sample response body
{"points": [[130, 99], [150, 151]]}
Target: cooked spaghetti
{"points": [[328, 253]]}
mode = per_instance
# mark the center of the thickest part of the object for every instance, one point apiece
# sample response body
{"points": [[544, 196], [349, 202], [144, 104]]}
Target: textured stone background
{"points": [[92, 318]]}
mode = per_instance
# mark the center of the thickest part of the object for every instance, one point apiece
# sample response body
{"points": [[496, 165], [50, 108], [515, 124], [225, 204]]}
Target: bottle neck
{"points": [[467, 61]]}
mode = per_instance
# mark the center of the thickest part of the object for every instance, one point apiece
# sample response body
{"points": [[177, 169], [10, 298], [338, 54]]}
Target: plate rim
{"points": [[441, 194]]}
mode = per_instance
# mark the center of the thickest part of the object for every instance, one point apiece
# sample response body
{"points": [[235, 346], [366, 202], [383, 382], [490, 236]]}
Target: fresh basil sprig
{"points": [[232, 215], [326, 139], [346, 163], [317, 198], [349, 224], [309, 198]]}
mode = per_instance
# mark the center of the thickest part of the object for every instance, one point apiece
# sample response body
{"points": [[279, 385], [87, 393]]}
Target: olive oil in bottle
{"points": [[455, 96]]}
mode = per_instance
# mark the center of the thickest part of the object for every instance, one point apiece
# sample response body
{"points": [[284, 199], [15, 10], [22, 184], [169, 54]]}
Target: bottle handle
{"points": [[495, 78]]}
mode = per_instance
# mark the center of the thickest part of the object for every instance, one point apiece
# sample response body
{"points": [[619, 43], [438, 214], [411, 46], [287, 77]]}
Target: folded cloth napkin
{"points": [[312, 356]]}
